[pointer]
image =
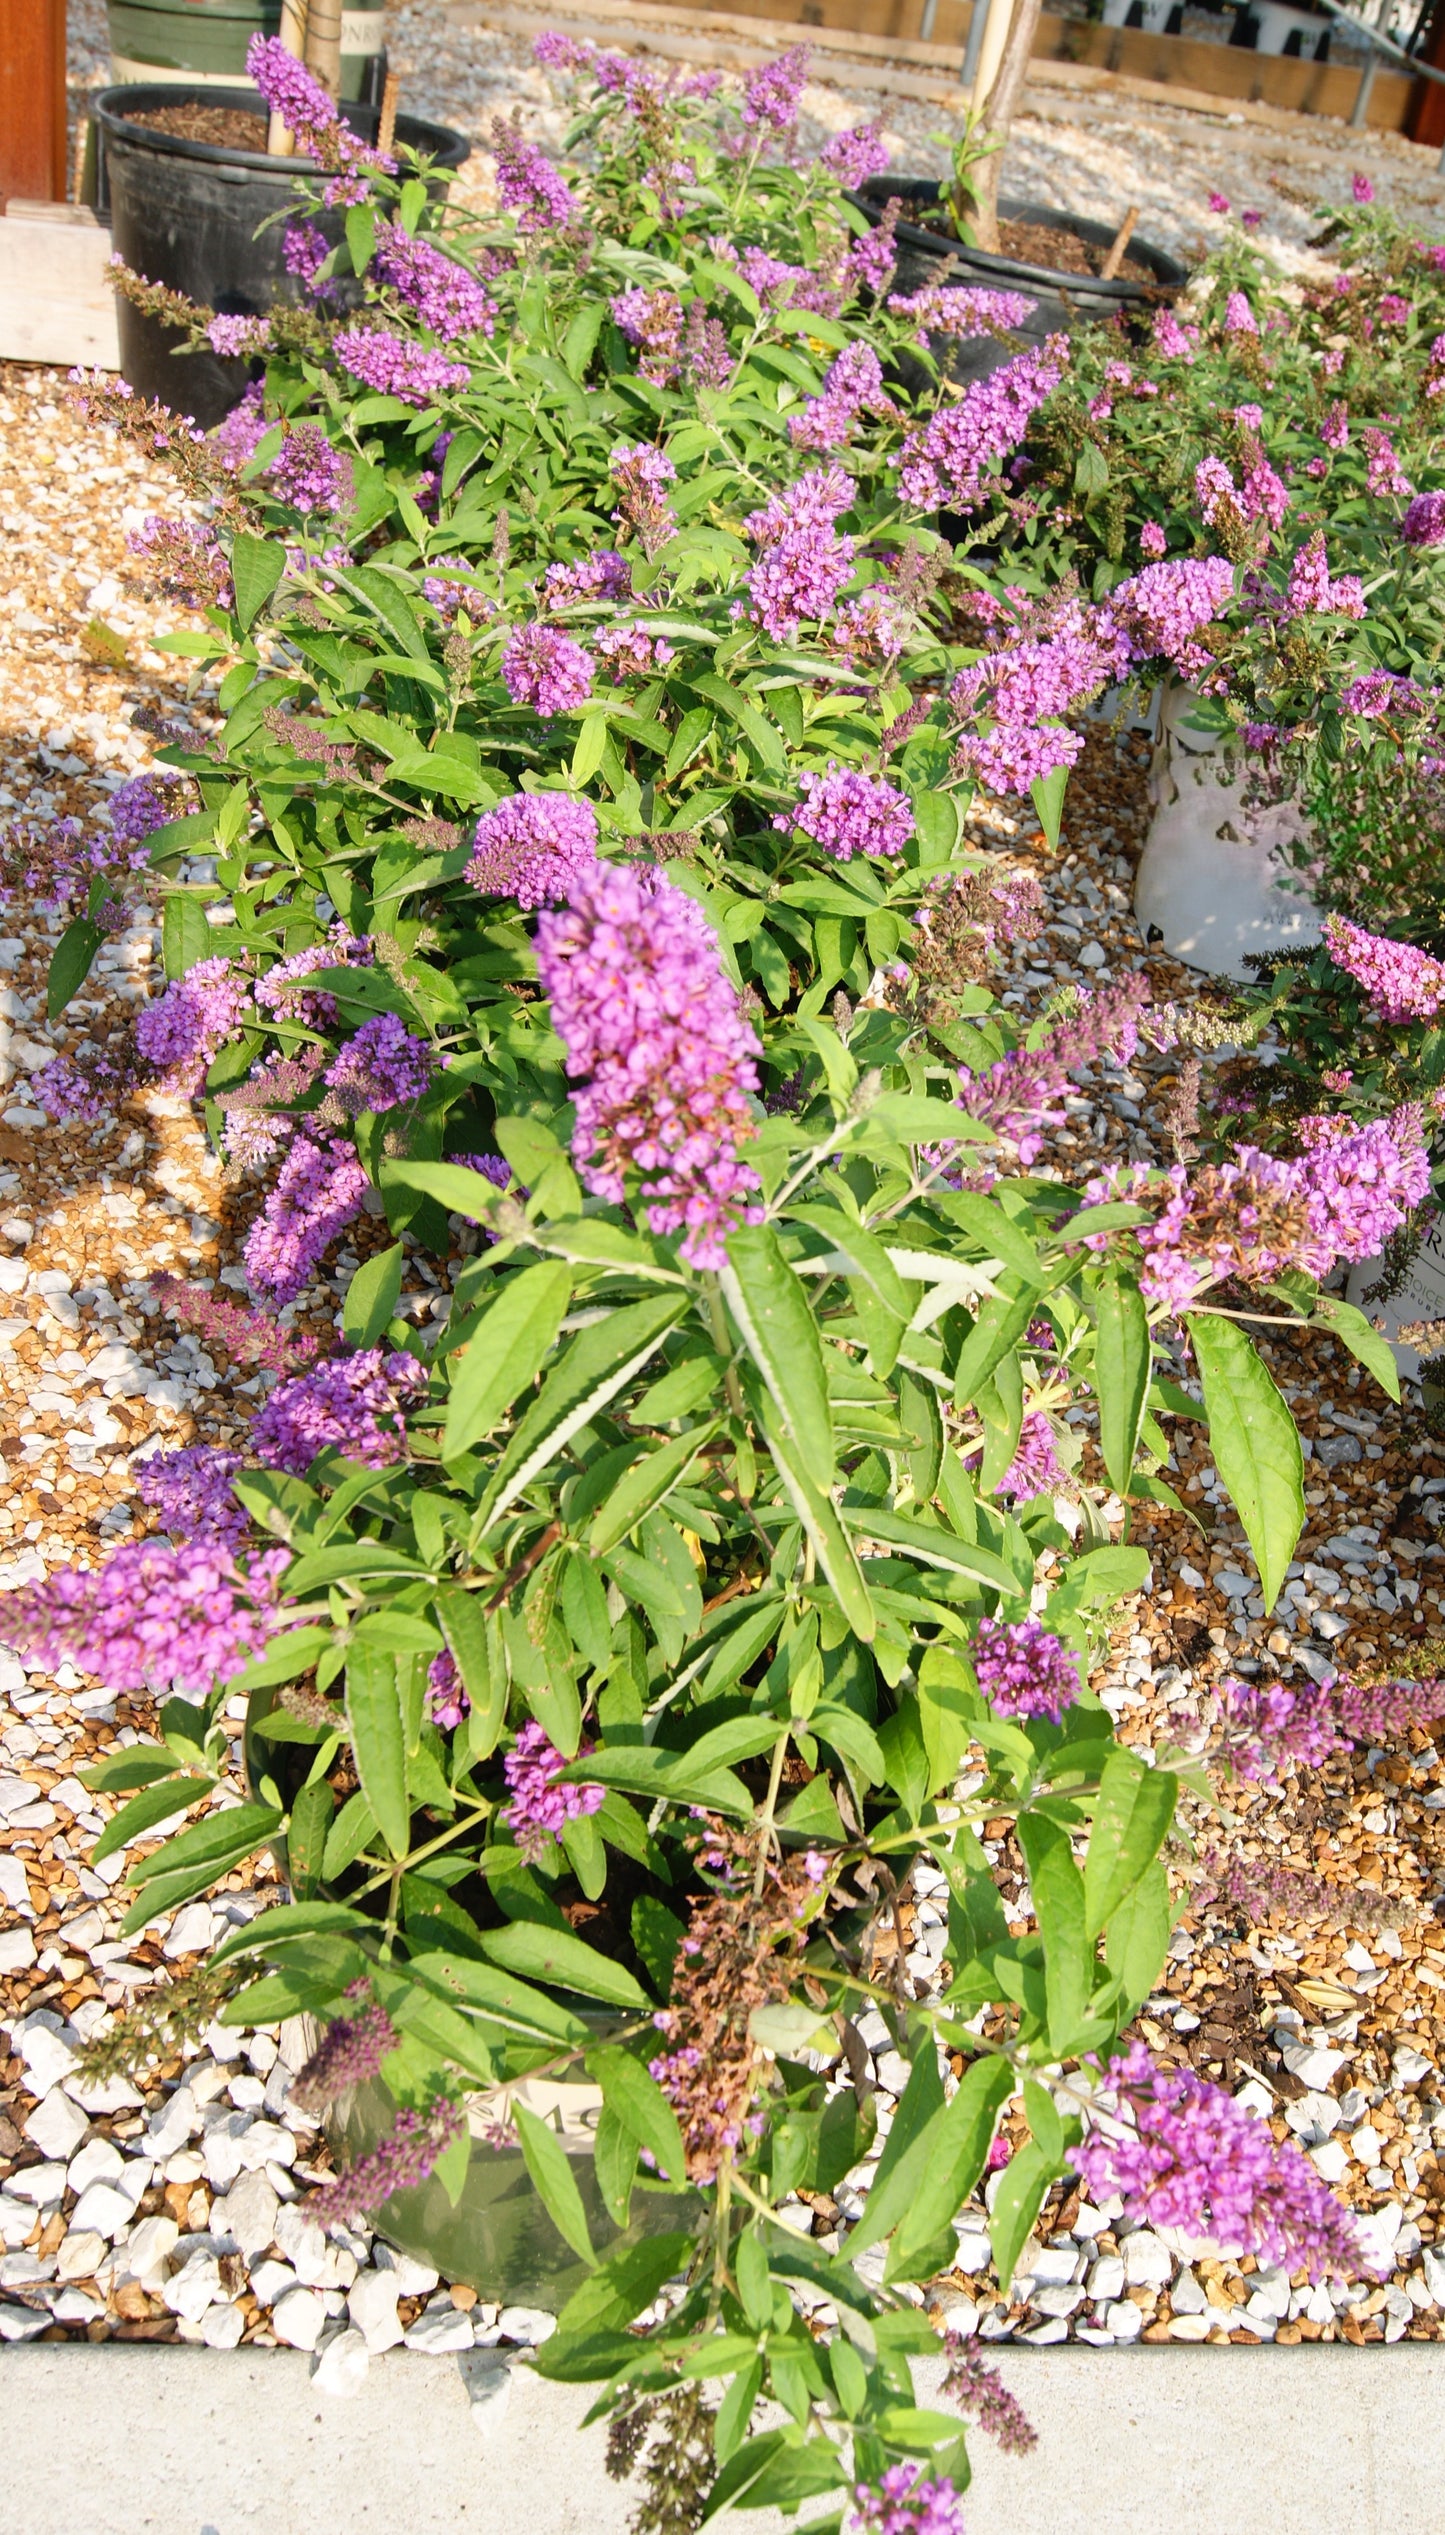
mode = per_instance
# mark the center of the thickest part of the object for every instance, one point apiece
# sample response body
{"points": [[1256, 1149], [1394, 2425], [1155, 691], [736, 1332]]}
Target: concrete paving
{"points": [[127, 2440]]}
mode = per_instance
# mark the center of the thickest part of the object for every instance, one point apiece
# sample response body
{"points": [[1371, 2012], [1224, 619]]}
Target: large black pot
{"points": [[193, 216], [1064, 301]]}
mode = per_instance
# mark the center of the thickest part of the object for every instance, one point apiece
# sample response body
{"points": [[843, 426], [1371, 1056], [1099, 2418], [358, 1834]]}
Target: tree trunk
{"points": [[323, 44], [999, 109]]}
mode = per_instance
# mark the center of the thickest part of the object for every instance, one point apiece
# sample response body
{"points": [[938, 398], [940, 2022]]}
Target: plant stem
{"points": [[765, 1825]]}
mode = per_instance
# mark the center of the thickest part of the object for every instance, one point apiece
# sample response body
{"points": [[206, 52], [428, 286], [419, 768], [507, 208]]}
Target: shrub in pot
{"points": [[202, 219], [629, 1643]]}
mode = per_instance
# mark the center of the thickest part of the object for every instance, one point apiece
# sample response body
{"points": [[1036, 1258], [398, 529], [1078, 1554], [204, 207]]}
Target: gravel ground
{"points": [[175, 2214]]}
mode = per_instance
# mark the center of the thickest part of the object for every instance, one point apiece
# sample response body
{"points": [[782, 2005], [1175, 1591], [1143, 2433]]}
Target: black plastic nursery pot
{"points": [[204, 220], [496, 2236], [207, 39], [1064, 302]]}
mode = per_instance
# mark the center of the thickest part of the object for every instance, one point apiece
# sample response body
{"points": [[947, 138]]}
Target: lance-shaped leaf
{"points": [[771, 1309], [823, 1524], [1121, 1373], [644, 1486], [599, 1363], [958, 2146], [556, 1955], [1132, 1813], [504, 1352], [548, 2165], [1255, 1444], [1057, 1888], [378, 1740]]}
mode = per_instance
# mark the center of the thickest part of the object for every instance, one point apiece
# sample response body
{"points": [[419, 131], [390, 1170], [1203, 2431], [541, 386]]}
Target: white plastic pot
{"points": [[1212, 878], [1421, 1297]]}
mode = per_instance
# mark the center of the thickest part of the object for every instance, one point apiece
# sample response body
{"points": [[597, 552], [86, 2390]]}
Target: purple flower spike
{"points": [[153, 1615], [351, 1404], [1023, 1669], [541, 1807], [659, 1051], [849, 813], [534, 847], [906, 2501], [1193, 2158]]}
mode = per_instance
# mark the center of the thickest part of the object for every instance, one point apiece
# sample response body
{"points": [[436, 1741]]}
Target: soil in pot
{"points": [[224, 127], [1052, 258]]}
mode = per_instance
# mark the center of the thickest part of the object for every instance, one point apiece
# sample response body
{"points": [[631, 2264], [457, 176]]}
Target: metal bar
{"points": [[973, 46], [1382, 43], [1360, 110], [925, 27]]}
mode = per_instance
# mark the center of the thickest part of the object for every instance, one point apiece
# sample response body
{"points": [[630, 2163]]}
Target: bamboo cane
{"points": [[280, 140], [323, 44]]}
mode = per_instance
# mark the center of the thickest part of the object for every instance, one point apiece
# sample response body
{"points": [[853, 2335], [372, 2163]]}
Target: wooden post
{"points": [[1427, 106], [32, 100], [280, 140], [323, 44]]}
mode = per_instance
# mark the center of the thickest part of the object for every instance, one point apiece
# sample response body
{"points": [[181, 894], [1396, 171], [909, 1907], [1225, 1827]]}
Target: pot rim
{"points": [[871, 197], [108, 110]]}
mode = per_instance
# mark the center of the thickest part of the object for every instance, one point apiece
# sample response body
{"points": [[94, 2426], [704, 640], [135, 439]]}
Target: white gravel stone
{"points": [[1124, 2321], [341, 2369], [298, 2318], [319, 2264], [42, 2184], [17, 1950], [1410, 2065], [413, 2278], [270, 2280], [222, 2327], [1311, 2063], [526, 2324], [194, 2287], [177, 2121], [104, 2210], [1147, 2262], [1331, 2160], [371, 2304], [57, 2126], [1433, 2266], [250, 2212], [487, 2376], [22, 2323], [1106, 2277], [191, 1931], [44, 2044], [1186, 2296], [974, 2253], [447, 2329], [100, 2162], [81, 2254], [149, 2247], [1059, 2300]]}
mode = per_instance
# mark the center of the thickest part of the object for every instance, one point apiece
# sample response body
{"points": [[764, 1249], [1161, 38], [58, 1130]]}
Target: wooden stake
{"points": [[323, 44], [280, 141], [1115, 257], [33, 156], [386, 128]]}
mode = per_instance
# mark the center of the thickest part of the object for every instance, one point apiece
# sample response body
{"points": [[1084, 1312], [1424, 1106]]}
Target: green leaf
{"points": [[232, 1833], [292, 1922], [554, 1954], [907, 2152], [641, 2106], [70, 964], [353, 1830], [464, 1626], [378, 1741], [599, 1363], [627, 2281], [361, 236], [823, 1524], [1132, 1813], [1047, 795], [371, 1298], [958, 2148], [644, 1486], [556, 2185], [155, 1803], [614, 2156], [771, 1309], [1138, 1934], [185, 934], [504, 1352], [306, 1837], [589, 749], [1000, 1323], [1364, 1341], [1057, 1888], [1122, 1356], [1020, 2197], [657, 1933], [1255, 1444], [257, 564]]}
